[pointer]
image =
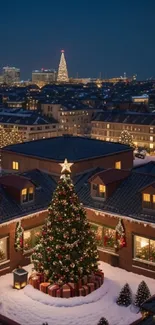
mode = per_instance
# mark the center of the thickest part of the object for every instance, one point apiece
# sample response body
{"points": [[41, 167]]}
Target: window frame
{"points": [[28, 200], [134, 235], [103, 247], [26, 230], [7, 250], [15, 165]]}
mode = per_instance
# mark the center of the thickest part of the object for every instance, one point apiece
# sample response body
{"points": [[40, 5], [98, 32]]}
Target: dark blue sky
{"points": [[108, 36]]}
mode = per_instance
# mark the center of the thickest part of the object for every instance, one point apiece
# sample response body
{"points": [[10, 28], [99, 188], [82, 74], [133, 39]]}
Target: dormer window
{"points": [[27, 194]]}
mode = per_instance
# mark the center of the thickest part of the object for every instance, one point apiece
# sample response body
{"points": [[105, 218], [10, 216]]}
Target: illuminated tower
{"points": [[62, 71]]}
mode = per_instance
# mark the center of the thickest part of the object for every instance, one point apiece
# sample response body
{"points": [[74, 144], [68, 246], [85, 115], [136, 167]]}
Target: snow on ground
{"points": [[32, 307], [138, 161]]}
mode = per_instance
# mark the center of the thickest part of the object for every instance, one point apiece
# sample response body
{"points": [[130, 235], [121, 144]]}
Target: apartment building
{"points": [[32, 125], [109, 125], [74, 118]]}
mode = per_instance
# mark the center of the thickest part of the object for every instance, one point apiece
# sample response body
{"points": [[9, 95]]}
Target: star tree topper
{"points": [[66, 166]]}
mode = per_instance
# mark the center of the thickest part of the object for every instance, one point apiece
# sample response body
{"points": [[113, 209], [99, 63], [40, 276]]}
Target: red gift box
{"points": [[86, 290], [35, 282], [91, 287], [96, 284], [44, 287], [52, 289], [100, 274], [91, 278], [99, 279], [59, 293], [81, 291], [41, 277], [71, 287], [85, 279], [66, 293]]}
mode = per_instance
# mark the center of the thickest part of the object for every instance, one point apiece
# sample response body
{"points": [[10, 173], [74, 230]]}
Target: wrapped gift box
{"points": [[91, 286], [52, 289], [85, 279], [41, 277], [81, 292], [91, 278], [35, 282], [44, 286], [70, 287], [86, 290], [101, 275], [96, 284]]}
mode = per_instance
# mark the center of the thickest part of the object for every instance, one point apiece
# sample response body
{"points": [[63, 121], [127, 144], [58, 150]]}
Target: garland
{"points": [[120, 235], [19, 231]]}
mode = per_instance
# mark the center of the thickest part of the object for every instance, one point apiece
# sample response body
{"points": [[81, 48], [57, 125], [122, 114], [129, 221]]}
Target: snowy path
{"points": [[31, 307]]}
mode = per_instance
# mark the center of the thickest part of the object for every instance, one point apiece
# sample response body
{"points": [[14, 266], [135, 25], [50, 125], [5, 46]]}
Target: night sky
{"points": [[108, 36]]}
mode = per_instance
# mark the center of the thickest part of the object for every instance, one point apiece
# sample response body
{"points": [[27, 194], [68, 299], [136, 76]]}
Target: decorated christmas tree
{"points": [[143, 293], [19, 231], [103, 321], [67, 248], [126, 138], [125, 296]]}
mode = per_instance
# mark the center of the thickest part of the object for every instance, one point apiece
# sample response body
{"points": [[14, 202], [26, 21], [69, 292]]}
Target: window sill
{"points": [[143, 261], [107, 251], [5, 262]]}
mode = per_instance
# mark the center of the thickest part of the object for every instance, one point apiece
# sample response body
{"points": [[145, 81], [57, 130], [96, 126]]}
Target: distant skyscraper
{"points": [[62, 71], [43, 76], [11, 75]]}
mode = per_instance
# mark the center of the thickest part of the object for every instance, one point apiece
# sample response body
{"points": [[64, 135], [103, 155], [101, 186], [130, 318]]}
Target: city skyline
{"points": [[105, 38]]}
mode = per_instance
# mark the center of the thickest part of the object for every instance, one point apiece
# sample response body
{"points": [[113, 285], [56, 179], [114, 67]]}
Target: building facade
{"points": [[31, 125], [124, 228], [86, 154], [11, 75], [109, 125], [43, 76]]}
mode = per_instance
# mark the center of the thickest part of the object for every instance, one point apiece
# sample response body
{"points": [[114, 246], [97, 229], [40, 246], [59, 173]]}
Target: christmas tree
{"points": [[126, 138], [67, 248], [143, 293], [103, 321], [125, 296], [62, 71]]}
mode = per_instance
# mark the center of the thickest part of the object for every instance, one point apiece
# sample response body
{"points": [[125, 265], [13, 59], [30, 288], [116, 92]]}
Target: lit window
{"points": [[27, 194], [31, 238], [3, 249], [108, 126], [31, 193], [144, 248], [146, 197], [98, 231], [24, 195], [151, 145], [109, 238], [118, 164], [102, 188], [15, 165], [151, 138], [153, 198]]}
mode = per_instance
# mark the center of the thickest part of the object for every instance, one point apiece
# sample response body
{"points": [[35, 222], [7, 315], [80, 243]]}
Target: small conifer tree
{"points": [[143, 293], [103, 321], [125, 296]]}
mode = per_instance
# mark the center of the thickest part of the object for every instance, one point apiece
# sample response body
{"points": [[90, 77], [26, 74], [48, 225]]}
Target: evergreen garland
{"points": [[19, 231], [143, 293], [125, 296]]}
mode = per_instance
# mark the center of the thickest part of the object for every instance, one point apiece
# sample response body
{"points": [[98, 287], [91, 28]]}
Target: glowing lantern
{"points": [[20, 278]]}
